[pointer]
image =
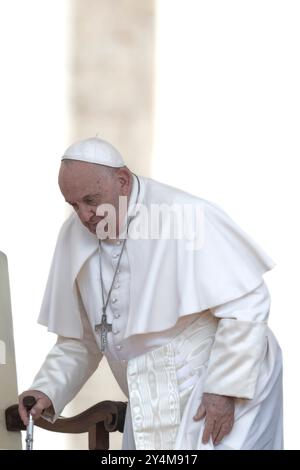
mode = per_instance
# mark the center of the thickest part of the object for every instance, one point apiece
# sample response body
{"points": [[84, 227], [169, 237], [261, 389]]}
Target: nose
{"points": [[85, 213]]}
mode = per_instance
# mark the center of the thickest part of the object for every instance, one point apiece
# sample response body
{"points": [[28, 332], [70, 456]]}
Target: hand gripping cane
{"points": [[29, 403]]}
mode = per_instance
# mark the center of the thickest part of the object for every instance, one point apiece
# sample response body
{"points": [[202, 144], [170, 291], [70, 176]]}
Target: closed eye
{"points": [[92, 200]]}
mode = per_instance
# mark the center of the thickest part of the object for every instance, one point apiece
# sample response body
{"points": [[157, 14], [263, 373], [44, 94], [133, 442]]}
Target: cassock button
{"points": [[116, 286], [116, 255], [118, 271], [119, 347], [115, 332], [116, 315], [114, 300], [118, 242]]}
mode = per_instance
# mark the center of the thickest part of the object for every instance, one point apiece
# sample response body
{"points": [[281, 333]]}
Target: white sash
{"points": [[161, 381]]}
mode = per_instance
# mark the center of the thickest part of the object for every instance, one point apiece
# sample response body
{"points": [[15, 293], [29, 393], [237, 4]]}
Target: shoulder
{"points": [[69, 224], [164, 193], [68, 230]]}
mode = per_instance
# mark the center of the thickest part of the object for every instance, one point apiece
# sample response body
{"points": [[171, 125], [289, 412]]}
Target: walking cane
{"points": [[29, 403]]}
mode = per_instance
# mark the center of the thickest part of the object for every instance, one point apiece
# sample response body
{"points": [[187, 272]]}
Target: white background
{"points": [[227, 106]]}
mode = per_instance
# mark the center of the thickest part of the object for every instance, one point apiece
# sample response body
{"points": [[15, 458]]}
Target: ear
{"points": [[125, 181]]}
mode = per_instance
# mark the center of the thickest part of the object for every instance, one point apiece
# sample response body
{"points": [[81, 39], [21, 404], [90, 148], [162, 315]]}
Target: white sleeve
{"points": [[67, 367], [239, 345]]}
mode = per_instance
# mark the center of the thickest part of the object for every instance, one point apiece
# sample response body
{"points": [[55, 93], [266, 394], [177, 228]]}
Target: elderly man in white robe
{"points": [[184, 330]]}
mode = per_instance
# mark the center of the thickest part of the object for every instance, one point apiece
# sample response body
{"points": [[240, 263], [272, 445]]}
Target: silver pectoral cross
{"points": [[103, 328]]}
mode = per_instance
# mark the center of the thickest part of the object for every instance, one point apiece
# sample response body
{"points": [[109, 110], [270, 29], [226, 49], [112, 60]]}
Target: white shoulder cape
{"points": [[167, 280]]}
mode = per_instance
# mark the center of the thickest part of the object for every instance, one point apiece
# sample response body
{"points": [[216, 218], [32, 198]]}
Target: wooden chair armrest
{"points": [[98, 420]]}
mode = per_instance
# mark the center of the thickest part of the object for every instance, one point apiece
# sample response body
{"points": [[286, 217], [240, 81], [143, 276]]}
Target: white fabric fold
{"points": [[67, 367], [258, 422], [163, 272], [240, 340], [235, 358], [159, 385]]}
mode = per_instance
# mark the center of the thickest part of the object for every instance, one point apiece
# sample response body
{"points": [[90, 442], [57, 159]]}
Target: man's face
{"points": [[85, 186]]}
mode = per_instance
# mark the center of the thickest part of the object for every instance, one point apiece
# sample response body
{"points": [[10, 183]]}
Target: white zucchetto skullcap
{"points": [[94, 150]]}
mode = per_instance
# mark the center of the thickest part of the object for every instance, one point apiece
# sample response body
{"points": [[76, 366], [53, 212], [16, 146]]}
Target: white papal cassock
{"points": [[171, 340]]}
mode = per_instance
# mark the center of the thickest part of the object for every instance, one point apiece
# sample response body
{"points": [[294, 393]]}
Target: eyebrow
{"points": [[88, 196]]}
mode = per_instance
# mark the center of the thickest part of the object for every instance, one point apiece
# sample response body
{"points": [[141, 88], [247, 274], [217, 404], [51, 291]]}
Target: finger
{"points": [[209, 426], [200, 413], [220, 435], [23, 413], [216, 431], [224, 430], [37, 409]]}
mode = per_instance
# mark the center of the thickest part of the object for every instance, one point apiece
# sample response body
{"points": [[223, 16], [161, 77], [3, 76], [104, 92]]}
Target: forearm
{"points": [[66, 369], [239, 346]]}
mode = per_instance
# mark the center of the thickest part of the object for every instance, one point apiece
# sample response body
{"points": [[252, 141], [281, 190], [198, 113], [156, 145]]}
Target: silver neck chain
{"points": [[105, 302]]}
